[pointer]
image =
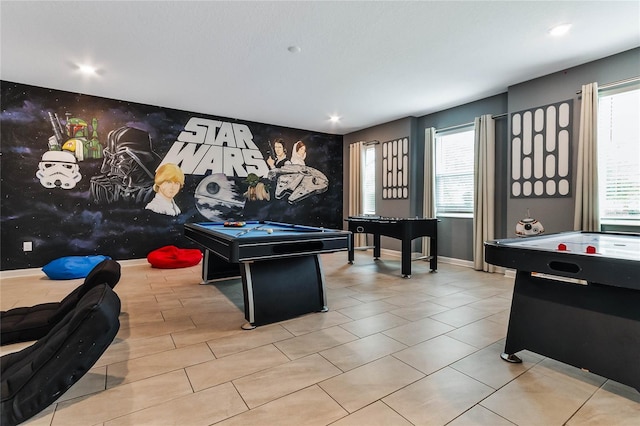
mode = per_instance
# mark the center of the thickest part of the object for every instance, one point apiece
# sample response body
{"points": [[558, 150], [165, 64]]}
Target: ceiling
{"points": [[369, 62]]}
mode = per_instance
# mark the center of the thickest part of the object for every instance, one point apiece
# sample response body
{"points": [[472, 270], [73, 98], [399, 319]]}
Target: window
{"points": [[454, 171], [369, 180], [619, 155]]}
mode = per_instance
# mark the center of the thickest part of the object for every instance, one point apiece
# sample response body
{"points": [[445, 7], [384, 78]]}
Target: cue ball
{"points": [[269, 230]]}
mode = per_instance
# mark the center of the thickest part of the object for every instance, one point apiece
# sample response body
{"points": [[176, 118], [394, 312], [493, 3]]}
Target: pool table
{"points": [[279, 264], [576, 299]]}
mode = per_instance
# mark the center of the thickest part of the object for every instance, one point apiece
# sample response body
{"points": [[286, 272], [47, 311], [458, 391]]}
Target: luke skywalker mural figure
{"points": [[168, 181]]}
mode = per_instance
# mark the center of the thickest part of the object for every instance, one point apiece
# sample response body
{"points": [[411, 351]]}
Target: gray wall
{"points": [[455, 235], [556, 214], [383, 133]]}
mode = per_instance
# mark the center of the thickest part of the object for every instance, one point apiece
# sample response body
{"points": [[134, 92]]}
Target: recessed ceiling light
{"points": [[560, 30], [334, 118], [87, 69], [294, 49]]}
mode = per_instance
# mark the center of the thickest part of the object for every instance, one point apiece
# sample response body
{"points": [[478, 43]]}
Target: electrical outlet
{"points": [[27, 246]]}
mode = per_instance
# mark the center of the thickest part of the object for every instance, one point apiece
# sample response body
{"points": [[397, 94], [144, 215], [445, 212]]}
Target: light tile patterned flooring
{"points": [[390, 351]]}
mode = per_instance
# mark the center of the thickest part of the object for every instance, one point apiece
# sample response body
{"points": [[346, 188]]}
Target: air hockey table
{"points": [[576, 299], [279, 264]]}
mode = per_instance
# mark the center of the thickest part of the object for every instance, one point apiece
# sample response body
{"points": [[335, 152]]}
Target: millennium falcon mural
{"points": [[298, 182]]}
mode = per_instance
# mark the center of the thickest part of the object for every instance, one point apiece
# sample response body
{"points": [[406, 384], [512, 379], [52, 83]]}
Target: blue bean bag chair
{"points": [[72, 267]]}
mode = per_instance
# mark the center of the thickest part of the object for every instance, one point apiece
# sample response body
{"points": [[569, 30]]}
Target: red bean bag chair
{"points": [[172, 257]]}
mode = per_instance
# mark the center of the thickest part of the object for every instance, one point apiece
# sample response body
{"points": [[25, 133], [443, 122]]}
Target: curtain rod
{"points": [[372, 143], [614, 84], [457, 126]]}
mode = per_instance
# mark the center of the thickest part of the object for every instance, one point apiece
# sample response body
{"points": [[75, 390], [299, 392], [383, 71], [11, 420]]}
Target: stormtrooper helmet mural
{"points": [[58, 169]]}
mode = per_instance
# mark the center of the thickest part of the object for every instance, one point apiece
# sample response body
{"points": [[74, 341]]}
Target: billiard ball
{"points": [[269, 230]]}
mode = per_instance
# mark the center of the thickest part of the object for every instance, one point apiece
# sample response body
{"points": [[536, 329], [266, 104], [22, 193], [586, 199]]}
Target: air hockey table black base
{"points": [[592, 327]]}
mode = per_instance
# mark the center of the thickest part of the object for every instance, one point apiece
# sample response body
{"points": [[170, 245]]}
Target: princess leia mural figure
{"points": [[299, 153]]}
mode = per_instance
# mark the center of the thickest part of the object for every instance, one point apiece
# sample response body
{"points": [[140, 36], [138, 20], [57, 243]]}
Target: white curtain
{"points": [[355, 186], [586, 215], [429, 200], [484, 184]]}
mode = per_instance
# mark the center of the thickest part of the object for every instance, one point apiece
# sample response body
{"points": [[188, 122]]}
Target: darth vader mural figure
{"points": [[128, 169]]}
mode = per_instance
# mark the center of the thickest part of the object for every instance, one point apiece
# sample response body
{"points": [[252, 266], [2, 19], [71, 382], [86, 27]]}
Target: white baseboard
{"points": [[441, 259], [454, 261], [21, 273], [38, 271], [509, 273]]}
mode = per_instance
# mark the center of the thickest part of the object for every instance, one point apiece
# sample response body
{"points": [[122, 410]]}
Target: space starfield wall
{"points": [[84, 175]]}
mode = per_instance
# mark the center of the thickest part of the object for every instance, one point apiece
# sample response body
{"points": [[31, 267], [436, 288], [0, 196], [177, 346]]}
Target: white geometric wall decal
{"points": [[395, 169], [540, 151]]}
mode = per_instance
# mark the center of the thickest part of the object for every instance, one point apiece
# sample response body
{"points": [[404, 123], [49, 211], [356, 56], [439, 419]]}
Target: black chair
{"points": [[25, 324], [35, 377]]}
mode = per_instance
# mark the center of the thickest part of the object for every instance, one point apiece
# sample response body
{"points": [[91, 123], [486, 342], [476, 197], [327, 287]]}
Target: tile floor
{"points": [[390, 351]]}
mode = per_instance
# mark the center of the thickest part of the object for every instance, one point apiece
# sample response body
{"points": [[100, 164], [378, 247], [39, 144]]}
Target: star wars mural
{"points": [[86, 175]]}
